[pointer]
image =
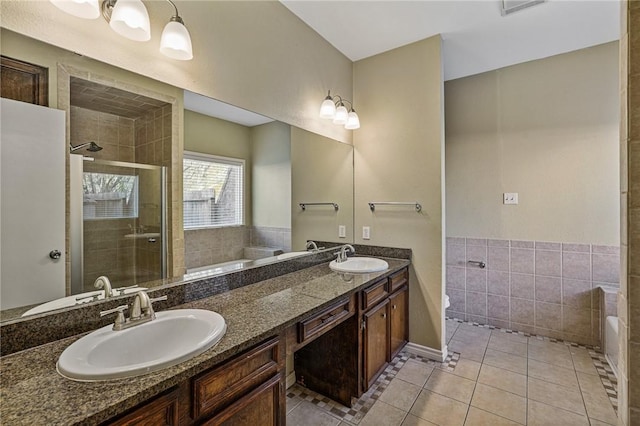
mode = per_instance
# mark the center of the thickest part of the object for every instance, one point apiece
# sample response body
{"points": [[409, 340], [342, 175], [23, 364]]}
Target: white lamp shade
{"points": [[353, 121], [341, 115], [176, 42], [327, 109], [87, 9], [130, 19]]}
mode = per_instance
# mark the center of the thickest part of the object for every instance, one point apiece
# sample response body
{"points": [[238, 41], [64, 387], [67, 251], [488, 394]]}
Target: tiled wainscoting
{"points": [[217, 245], [543, 288]]}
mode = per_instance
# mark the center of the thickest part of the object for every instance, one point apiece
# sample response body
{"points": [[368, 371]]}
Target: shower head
{"points": [[91, 146]]}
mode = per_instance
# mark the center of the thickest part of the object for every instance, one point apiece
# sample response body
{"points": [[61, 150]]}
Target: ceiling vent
{"points": [[508, 7]]}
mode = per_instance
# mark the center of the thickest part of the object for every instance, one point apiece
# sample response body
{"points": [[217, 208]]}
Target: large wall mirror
{"points": [[165, 182]]}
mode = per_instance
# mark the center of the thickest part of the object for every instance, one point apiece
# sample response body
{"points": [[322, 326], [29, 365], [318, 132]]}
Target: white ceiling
{"points": [[215, 108], [476, 37]]}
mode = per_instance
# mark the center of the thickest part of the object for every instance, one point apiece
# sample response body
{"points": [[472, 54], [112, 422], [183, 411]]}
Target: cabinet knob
{"points": [[395, 306], [384, 315]]}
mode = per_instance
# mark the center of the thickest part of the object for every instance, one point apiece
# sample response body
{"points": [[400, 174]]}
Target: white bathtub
{"points": [[611, 342]]}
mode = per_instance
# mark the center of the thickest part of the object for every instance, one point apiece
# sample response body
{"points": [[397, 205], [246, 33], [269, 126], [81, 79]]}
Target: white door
{"points": [[32, 197]]}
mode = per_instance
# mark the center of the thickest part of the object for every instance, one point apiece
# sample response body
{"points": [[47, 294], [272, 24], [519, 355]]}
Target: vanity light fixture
{"points": [[87, 9], [130, 19], [333, 108]]}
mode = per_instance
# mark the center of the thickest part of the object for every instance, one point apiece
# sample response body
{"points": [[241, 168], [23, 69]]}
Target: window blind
{"points": [[213, 191], [109, 196]]}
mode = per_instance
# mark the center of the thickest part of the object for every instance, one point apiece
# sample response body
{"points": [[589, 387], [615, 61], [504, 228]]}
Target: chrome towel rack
{"points": [[303, 206], [372, 204]]}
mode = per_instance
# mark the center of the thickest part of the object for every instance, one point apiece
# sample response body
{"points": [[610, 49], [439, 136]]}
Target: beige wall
{"points": [[253, 54], [271, 175], [209, 135], [399, 156], [545, 129], [321, 172]]}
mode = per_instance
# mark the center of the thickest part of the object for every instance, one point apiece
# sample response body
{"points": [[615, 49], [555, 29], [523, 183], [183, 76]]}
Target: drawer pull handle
{"points": [[326, 319]]}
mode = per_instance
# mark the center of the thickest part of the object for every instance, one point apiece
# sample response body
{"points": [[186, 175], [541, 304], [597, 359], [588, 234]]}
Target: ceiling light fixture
{"points": [[333, 108], [130, 19]]}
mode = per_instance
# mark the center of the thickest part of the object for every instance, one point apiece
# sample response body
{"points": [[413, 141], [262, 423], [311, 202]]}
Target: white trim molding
{"points": [[427, 352]]}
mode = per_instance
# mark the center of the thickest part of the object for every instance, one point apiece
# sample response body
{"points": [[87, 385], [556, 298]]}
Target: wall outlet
{"points": [[510, 198], [342, 231], [366, 233]]}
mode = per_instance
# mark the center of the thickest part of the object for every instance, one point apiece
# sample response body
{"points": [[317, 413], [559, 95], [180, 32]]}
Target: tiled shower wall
{"points": [[205, 247], [545, 288]]}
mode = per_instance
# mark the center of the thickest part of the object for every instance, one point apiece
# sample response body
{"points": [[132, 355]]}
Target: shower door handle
{"points": [[55, 254]]}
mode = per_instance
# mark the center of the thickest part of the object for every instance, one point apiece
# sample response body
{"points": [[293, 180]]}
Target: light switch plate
{"points": [[510, 198], [366, 233], [342, 231]]}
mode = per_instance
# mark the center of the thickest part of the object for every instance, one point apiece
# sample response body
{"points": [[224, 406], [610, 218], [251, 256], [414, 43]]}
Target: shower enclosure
{"points": [[117, 222]]}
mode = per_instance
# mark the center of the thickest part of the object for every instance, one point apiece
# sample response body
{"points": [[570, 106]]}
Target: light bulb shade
{"points": [[327, 109], [87, 9], [130, 19], [353, 121], [341, 115], [176, 41]]}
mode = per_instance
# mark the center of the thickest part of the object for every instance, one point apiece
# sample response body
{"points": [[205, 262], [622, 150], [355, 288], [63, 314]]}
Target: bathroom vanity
{"points": [[343, 330]]}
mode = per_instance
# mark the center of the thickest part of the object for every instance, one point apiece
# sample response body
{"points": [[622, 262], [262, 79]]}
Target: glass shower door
{"points": [[123, 224]]}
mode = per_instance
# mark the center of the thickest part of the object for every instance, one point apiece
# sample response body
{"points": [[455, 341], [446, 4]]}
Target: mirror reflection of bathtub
{"points": [[78, 299], [240, 264]]}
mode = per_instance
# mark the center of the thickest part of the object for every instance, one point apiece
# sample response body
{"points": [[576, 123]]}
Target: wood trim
{"points": [[23, 81]]}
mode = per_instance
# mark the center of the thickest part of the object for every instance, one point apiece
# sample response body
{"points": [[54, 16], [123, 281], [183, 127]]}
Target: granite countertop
{"points": [[32, 392]]}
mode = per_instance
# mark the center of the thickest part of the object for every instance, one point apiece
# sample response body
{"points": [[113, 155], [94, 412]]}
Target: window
{"points": [[213, 191], [109, 196]]}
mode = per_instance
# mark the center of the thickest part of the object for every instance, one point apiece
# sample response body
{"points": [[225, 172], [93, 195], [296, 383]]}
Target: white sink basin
{"points": [[359, 265], [174, 336]]}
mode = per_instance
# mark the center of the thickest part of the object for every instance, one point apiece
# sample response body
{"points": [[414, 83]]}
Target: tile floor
{"points": [[492, 377]]}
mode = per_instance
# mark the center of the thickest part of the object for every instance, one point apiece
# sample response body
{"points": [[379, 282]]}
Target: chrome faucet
{"points": [[311, 245], [141, 311], [342, 254], [104, 283]]}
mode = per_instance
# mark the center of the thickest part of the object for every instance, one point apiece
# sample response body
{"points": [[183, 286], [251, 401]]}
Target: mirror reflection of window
{"points": [[109, 196], [213, 191]]}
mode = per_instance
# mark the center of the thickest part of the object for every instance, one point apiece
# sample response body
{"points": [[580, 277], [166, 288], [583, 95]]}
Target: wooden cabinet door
{"points": [[261, 407], [398, 320], [25, 82], [376, 342]]}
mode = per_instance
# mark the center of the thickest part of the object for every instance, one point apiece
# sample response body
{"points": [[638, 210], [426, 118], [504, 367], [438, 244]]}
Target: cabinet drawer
{"points": [[162, 410], [324, 320], [398, 279], [373, 294], [261, 407], [218, 388]]}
